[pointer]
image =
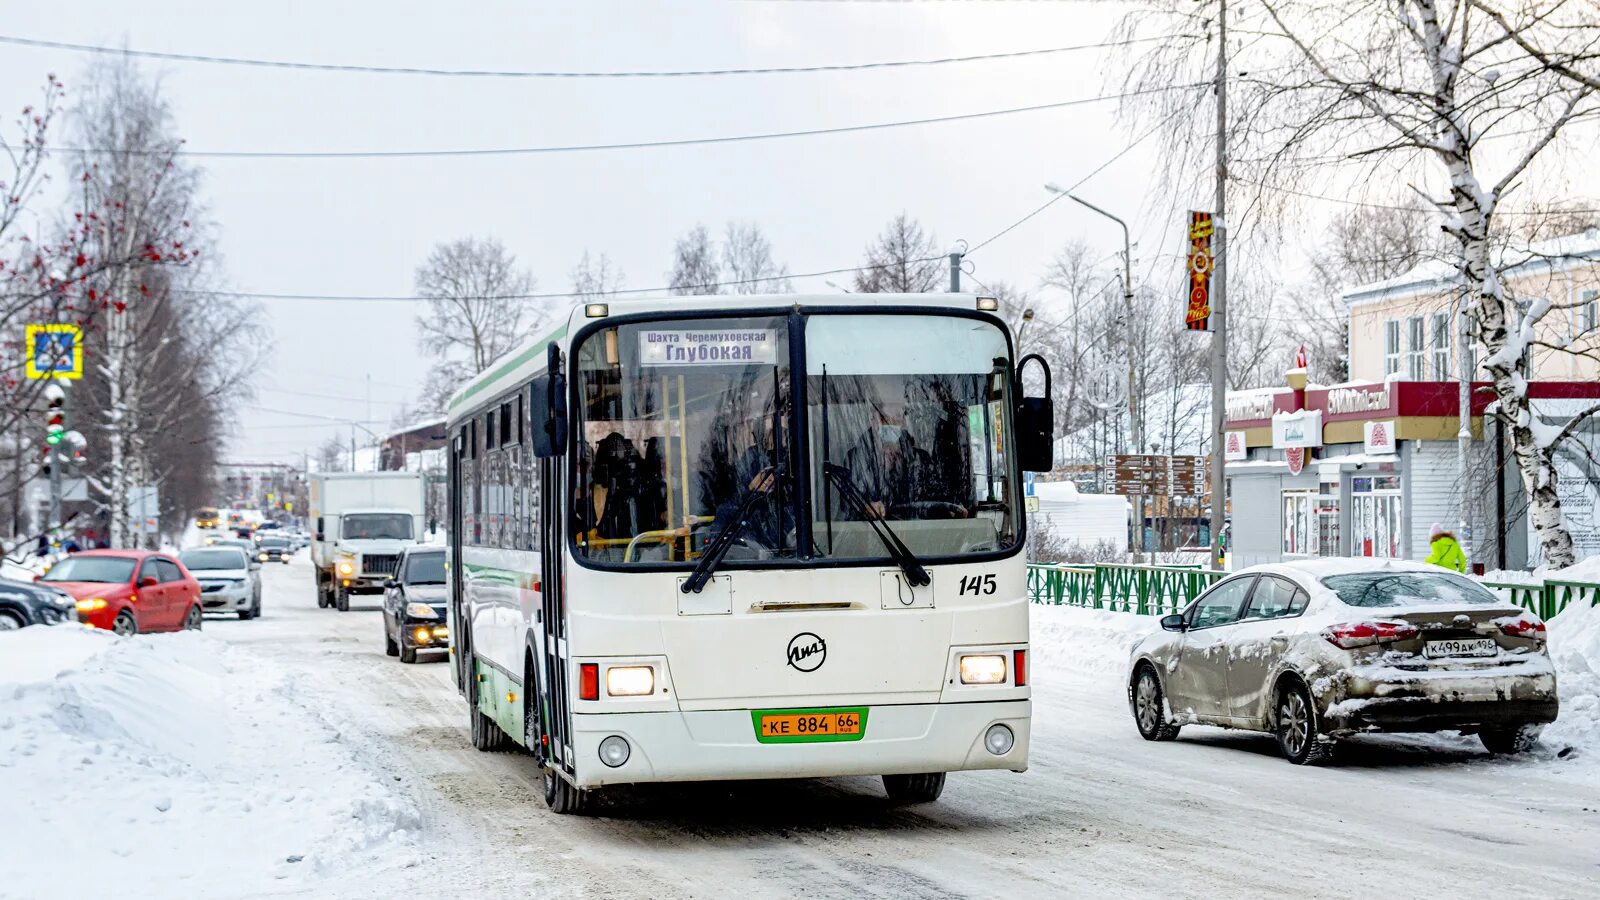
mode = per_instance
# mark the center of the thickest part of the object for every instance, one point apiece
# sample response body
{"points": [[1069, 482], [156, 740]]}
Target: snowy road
{"points": [[1101, 813]]}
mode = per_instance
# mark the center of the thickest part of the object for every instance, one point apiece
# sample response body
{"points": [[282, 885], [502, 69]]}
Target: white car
{"points": [[230, 581], [1317, 650]]}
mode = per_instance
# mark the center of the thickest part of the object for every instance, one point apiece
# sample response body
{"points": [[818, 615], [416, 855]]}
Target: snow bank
{"points": [[1087, 642], [1575, 647], [174, 765]]}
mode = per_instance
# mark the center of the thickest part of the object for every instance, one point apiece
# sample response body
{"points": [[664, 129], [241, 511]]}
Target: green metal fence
{"points": [[1146, 590], [1158, 590]]}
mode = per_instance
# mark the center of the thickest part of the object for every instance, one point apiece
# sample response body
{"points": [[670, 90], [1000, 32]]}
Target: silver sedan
{"points": [[1317, 650]]}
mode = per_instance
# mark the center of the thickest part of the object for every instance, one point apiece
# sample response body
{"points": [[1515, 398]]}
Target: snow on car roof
{"points": [[1322, 568]]}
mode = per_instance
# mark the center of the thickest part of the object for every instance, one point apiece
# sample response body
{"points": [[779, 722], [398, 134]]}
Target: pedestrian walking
{"points": [[1445, 550]]}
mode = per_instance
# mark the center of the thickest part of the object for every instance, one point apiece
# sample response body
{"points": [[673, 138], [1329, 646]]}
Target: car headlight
{"points": [[420, 611], [983, 669], [91, 604], [630, 681], [261, 556]]}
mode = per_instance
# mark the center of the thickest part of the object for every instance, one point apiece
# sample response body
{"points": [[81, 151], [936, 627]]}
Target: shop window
{"points": [[1441, 346], [1328, 518], [1376, 516], [1391, 347], [1416, 357], [1299, 523]]}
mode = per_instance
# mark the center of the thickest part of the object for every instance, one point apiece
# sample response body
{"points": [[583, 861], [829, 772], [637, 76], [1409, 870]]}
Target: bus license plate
{"points": [[800, 726]]}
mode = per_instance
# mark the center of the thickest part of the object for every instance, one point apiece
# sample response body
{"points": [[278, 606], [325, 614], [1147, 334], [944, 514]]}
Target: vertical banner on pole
{"points": [[1197, 315]]}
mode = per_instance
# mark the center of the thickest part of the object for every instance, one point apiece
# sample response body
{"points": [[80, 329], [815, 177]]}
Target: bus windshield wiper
{"points": [[718, 548], [898, 551]]}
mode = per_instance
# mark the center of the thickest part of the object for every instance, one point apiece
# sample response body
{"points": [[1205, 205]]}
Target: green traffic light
{"points": [[52, 439]]}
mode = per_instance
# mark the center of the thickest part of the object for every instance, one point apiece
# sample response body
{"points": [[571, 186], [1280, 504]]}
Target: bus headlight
{"points": [[988, 668], [614, 750], [630, 681]]}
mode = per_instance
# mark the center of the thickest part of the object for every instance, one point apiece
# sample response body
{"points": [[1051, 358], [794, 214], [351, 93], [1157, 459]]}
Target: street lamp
{"points": [[1127, 301], [1027, 316]]}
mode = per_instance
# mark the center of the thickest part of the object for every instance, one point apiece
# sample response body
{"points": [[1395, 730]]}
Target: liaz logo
{"points": [[807, 652]]}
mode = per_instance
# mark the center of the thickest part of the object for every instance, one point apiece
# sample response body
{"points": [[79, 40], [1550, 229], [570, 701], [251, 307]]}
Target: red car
{"points": [[129, 591]]}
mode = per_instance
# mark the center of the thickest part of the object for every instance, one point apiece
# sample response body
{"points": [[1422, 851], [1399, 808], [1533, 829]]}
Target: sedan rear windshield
{"points": [[1408, 589], [200, 560], [97, 569]]}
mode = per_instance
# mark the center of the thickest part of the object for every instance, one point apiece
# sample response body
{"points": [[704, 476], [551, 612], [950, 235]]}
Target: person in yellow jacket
{"points": [[1445, 550]]}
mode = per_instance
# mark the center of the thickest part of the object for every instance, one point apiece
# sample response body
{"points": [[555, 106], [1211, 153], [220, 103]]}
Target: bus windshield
{"points": [[685, 429], [680, 421]]}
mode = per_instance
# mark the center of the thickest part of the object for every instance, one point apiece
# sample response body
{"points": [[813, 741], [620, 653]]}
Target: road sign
{"points": [[1188, 476], [54, 351], [1150, 475], [1139, 474]]}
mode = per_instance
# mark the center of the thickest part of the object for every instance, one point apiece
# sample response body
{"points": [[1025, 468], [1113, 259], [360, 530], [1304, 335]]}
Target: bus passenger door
{"points": [[461, 662], [555, 712]]}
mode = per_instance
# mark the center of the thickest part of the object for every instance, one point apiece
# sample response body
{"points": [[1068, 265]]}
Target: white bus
{"points": [[756, 537]]}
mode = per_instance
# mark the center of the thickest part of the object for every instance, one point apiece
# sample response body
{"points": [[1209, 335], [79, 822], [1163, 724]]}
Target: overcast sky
{"points": [[362, 226]]}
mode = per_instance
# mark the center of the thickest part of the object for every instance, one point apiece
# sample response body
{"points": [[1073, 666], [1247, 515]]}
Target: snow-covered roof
{"points": [[1180, 415], [1555, 254]]}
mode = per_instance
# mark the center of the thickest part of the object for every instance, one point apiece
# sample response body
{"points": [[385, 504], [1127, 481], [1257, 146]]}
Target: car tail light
{"points": [[1363, 634], [588, 681], [1526, 625], [1020, 667]]}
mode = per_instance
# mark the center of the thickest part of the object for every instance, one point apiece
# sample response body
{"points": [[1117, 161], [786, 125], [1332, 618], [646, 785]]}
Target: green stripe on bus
{"points": [[511, 365]]}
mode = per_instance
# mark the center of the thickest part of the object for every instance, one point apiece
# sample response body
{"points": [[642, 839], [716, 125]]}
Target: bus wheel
{"points": [[924, 788], [486, 734], [561, 796]]}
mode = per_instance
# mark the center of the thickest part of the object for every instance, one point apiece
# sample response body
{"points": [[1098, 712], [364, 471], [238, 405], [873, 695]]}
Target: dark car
{"points": [[22, 604], [414, 605], [273, 548]]}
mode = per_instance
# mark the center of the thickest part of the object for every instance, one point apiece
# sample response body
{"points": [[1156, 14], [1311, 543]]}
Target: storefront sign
{"points": [[1198, 315], [708, 347], [1249, 407], [1296, 457], [1351, 400], [1379, 437], [1297, 429], [1234, 447]]}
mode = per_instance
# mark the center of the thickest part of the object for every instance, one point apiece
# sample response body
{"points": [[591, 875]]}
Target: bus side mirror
{"points": [[547, 406], [1034, 422]]}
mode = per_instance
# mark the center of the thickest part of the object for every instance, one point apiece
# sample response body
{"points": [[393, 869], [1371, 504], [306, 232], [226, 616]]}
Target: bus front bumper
{"points": [[721, 745]]}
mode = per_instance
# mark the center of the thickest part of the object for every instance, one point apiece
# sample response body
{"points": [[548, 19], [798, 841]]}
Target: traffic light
{"points": [[56, 416]]}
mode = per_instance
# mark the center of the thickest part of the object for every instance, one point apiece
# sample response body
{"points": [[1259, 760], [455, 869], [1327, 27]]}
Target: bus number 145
{"points": [[977, 584]]}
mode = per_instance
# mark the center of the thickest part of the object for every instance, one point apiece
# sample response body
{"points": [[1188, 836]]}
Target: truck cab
{"points": [[361, 523]]}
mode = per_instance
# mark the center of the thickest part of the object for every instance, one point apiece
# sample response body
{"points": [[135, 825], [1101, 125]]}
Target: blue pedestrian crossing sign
{"points": [[55, 351]]}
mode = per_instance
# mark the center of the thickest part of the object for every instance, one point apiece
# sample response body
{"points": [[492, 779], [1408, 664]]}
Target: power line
{"points": [[1075, 185], [569, 295], [533, 74], [629, 145]]}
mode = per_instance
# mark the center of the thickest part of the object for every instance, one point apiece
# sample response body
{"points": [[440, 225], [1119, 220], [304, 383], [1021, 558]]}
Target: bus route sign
{"points": [[54, 351]]}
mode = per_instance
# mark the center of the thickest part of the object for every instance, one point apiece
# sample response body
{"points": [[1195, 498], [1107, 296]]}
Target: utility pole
{"points": [[1464, 430], [352, 447], [955, 273], [1219, 295]]}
